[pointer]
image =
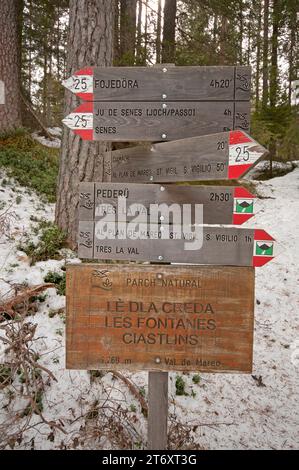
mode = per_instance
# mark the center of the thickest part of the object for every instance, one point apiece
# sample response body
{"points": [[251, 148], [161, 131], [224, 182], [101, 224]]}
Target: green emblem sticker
{"points": [[244, 206], [264, 248]]}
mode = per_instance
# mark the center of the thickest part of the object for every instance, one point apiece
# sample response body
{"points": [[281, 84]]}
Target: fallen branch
{"points": [[9, 306], [134, 390]]}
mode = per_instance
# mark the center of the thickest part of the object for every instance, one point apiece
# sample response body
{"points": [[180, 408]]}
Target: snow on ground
{"points": [[263, 166], [55, 142], [228, 411]]}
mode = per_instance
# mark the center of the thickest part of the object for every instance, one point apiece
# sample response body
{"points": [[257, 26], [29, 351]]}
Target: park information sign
{"points": [[226, 155], [167, 318]]}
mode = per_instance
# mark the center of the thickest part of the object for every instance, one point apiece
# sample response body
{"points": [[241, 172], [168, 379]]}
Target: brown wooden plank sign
{"points": [[154, 121], [225, 155], [196, 245], [159, 318], [191, 83]]}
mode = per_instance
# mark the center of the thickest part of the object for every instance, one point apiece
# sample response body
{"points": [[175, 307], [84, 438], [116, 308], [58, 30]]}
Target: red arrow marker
{"points": [[263, 248], [81, 83], [244, 152], [243, 206], [81, 120]]}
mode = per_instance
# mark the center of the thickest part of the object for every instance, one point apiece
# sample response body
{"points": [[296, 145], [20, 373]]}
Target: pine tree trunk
{"points": [[127, 31], [116, 52], [292, 54], [139, 54], [144, 54], [240, 54], [90, 43], [258, 54], [168, 45], [158, 38], [223, 41], [265, 53], [10, 65], [274, 53]]}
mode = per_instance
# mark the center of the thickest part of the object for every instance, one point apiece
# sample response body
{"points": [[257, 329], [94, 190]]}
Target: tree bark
{"points": [[274, 53], [139, 54], [258, 54], [158, 38], [292, 51], [90, 43], [168, 44], [116, 51], [127, 31], [265, 53], [10, 65]]}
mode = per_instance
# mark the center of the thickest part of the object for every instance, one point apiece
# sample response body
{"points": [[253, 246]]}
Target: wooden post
{"points": [[157, 410]]}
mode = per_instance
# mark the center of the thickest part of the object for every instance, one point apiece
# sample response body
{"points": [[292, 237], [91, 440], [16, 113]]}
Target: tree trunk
{"points": [[139, 54], [158, 38], [10, 65], [144, 54], [127, 31], [90, 43], [168, 45], [116, 51], [265, 53], [274, 52], [258, 55], [292, 54], [241, 32], [223, 41]]}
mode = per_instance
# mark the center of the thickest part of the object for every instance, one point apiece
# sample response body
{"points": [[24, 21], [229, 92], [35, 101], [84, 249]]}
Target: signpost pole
{"points": [[157, 410]]}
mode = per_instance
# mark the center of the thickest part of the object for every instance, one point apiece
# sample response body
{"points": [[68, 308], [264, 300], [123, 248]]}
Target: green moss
{"points": [[30, 163], [196, 379], [51, 240], [58, 279], [180, 386]]}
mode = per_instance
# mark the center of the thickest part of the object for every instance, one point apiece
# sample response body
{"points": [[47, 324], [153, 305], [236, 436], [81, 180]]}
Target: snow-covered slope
{"points": [[226, 411]]}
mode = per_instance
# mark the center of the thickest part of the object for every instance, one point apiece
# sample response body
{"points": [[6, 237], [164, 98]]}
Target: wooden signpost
{"points": [[221, 204], [226, 155], [220, 245], [161, 317], [160, 103], [161, 83], [155, 121]]}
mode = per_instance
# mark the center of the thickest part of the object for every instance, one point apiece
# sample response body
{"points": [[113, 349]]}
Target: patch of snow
{"points": [[263, 166], [56, 132]]}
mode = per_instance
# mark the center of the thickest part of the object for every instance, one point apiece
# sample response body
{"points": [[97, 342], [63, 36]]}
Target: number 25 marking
{"points": [[242, 154]]}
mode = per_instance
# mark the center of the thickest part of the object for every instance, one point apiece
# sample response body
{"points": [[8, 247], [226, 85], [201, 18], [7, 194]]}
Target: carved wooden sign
{"points": [[124, 202], [197, 83], [141, 317], [210, 245], [155, 121], [225, 155]]}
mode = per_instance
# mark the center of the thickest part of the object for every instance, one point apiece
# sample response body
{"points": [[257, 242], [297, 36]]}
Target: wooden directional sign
{"points": [[161, 83], [123, 202], [141, 317], [220, 245], [155, 121], [227, 155]]}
